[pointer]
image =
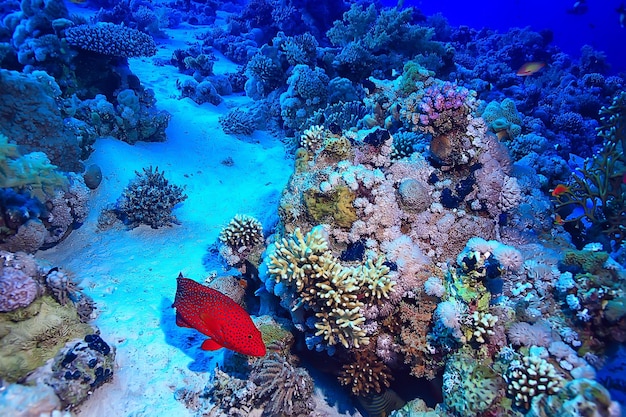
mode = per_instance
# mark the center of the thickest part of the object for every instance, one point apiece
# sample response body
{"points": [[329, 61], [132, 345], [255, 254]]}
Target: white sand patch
{"points": [[131, 274]]}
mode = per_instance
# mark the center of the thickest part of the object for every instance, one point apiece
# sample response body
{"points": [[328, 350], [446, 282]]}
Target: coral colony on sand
{"points": [[450, 221]]}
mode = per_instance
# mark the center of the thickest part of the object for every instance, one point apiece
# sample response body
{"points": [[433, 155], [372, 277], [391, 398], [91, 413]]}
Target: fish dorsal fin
{"points": [[210, 344], [181, 322]]}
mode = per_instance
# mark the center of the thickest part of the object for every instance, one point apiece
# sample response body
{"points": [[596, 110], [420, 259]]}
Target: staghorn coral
{"points": [[282, 388], [366, 374]]}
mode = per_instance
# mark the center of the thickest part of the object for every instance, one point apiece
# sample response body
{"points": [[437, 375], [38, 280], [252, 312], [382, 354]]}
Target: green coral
{"points": [[32, 172], [470, 387], [503, 117], [43, 328], [335, 205], [590, 261], [598, 188]]}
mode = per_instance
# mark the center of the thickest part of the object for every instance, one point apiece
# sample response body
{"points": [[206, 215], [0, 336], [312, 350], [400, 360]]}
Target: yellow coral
{"points": [[293, 258], [374, 280], [342, 326], [336, 206], [338, 147]]}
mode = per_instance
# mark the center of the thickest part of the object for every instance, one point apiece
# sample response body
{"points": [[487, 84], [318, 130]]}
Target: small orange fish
{"points": [[530, 68], [558, 220], [215, 315], [560, 190]]}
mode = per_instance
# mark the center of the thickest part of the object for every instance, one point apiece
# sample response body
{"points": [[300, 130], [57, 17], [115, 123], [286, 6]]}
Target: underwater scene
{"points": [[291, 208]]}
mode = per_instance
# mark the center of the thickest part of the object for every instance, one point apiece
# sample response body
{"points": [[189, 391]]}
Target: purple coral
{"points": [[442, 101]]}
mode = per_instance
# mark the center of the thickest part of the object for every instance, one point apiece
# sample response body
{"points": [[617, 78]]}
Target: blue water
{"points": [[222, 93], [598, 27]]}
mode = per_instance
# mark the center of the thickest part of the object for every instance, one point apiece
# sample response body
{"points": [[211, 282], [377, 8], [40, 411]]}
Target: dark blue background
{"points": [[599, 27]]}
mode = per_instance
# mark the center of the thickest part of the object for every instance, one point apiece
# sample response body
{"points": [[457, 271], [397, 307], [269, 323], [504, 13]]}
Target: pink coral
{"points": [[16, 289], [526, 334], [442, 107]]}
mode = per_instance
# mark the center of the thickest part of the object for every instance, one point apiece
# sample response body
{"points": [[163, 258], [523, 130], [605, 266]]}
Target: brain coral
{"points": [[111, 39]]}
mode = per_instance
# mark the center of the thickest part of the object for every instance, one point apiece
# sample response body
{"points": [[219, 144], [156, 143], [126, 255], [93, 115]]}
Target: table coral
{"points": [[111, 39]]}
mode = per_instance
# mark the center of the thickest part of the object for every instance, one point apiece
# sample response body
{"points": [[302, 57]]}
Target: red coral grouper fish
{"points": [[215, 315]]}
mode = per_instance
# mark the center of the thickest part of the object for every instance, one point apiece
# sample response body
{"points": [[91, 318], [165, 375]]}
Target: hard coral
{"points": [[111, 39], [284, 389], [149, 199], [531, 377], [366, 375], [16, 289], [242, 230], [81, 367]]}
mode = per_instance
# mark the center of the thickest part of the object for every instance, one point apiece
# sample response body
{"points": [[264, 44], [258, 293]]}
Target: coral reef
{"points": [[111, 39], [80, 368], [241, 239], [149, 199]]}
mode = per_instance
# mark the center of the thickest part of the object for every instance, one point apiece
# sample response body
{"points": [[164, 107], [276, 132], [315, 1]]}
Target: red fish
{"points": [[560, 190], [530, 68], [215, 315]]}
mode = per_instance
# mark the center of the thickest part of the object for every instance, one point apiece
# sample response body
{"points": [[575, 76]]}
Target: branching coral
{"points": [[530, 377], [149, 199], [366, 375], [294, 257], [32, 172], [242, 230], [597, 191], [284, 389], [336, 294]]}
